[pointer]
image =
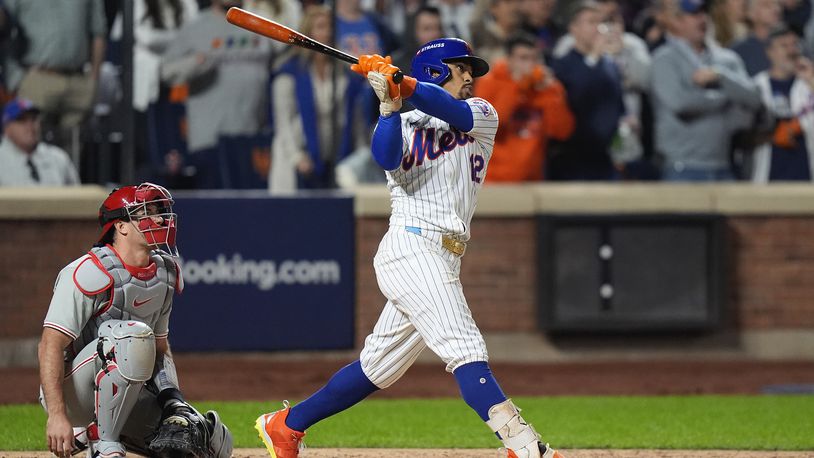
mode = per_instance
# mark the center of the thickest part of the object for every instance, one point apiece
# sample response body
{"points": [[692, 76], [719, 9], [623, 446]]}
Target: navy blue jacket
{"points": [[595, 98]]}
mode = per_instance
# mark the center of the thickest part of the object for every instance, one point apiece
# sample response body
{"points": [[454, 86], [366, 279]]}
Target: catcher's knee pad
{"points": [[131, 345], [514, 432]]}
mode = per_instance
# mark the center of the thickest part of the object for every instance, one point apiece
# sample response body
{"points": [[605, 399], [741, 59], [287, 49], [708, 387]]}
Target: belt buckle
{"points": [[457, 247]]}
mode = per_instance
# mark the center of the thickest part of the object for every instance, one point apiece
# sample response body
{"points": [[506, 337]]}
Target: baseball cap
{"points": [[16, 108], [691, 6]]}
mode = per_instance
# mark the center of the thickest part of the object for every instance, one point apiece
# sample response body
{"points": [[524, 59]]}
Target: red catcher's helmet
{"points": [[149, 206]]}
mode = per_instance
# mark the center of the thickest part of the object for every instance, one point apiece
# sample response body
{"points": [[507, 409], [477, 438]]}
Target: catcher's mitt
{"points": [[182, 433]]}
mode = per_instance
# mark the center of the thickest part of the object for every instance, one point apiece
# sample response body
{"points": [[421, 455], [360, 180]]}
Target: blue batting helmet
{"points": [[429, 63]]}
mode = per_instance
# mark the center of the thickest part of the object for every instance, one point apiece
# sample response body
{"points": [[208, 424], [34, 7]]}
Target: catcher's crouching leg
{"points": [[184, 433], [127, 352]]}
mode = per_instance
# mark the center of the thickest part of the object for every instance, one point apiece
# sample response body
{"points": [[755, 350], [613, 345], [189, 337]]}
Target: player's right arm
{"points": [[51, 356], [69, 311], [387, 145]]}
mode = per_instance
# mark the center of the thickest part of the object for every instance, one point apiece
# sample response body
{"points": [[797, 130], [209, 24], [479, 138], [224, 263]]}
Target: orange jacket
{"points": [[529, 115]]}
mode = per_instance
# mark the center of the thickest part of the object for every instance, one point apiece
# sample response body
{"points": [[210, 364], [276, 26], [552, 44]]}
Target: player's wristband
{"points": [[407, 86]]}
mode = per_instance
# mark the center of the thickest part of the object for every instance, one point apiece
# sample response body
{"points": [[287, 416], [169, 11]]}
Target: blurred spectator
{"points": [[61, 39], [787, 92], [24, 159], [537, 20], [796, 14], [7, 46], [286, 12], [594, 87], [653, 24], [226, 69], [360, 32], [808, 36], [632, 58], [455, 15], [532, 107], [764, 16], [728, 21], [304, 151], [359, 168], [492, 23], [699, 90], [158, 120], [396, 14], [156, 24], [426, 27]]}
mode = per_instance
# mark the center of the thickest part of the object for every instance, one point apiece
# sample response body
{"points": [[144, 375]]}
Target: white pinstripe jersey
{"points": [[442, 169]]}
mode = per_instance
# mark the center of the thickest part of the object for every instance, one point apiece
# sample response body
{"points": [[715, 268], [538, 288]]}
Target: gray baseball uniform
{"points": [[99, 288]]}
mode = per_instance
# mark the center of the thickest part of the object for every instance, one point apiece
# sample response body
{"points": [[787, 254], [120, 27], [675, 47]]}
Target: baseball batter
{"points": [[436, 158], [106, 371]]}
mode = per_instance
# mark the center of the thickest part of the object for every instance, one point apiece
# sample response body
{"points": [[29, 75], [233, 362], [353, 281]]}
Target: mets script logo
{"points": [[423, 146]]}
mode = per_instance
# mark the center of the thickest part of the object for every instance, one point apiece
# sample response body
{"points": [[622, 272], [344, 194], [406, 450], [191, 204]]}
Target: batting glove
{"points": [[369, 63], [383, 87], [376, 63]]}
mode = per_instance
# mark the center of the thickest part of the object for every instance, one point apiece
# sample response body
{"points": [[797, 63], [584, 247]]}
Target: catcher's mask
{"points": [[147, 205]]}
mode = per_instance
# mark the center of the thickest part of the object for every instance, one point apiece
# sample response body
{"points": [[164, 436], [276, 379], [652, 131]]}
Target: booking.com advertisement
{"points": [[264, 273]]}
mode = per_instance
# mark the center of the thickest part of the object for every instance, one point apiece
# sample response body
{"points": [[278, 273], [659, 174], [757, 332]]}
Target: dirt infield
{"points": [[491, 453]]}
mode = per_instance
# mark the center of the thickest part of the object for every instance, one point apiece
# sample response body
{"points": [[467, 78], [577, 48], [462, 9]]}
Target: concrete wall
{"points": [[770, 254]]}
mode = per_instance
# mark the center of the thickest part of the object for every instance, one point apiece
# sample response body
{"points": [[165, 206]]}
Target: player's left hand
{"points": [[383, 87]]}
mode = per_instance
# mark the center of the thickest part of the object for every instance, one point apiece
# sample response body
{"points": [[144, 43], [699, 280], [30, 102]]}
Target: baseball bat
{"points": [[283, 34]]}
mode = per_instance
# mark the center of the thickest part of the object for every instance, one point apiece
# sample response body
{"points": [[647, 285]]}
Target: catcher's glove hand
{"points": [[182, 433]]}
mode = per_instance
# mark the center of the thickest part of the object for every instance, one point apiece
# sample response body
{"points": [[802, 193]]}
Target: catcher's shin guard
{"points": [[519, 437], [280, 440], [127, 349]]}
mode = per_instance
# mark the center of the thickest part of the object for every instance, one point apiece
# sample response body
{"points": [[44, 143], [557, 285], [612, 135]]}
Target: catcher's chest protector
{"points": [[126, 297]]}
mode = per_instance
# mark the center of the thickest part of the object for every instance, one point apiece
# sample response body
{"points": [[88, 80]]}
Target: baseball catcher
{"points": [[108, 382]]}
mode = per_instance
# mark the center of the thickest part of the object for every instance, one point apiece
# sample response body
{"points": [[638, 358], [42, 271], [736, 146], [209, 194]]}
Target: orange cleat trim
{"points": [[280, 440]]}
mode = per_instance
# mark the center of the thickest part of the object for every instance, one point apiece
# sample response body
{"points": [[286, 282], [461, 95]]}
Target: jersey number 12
{"points": [[476, 164]]}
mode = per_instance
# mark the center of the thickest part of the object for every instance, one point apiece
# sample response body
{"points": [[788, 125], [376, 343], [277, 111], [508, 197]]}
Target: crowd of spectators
{"points": [[674, 90]]}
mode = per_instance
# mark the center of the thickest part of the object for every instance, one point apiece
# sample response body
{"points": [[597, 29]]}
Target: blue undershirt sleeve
{"points": [[435, 101], [387, 144]]}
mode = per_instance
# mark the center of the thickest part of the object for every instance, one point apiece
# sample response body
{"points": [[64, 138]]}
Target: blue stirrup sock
{"points": [[347, 387], [478, 387]]}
